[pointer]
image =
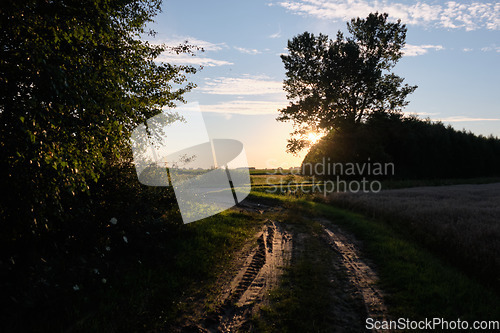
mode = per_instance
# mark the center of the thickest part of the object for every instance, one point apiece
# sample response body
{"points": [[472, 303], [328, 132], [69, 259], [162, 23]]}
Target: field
{"points": [[460, 223]]}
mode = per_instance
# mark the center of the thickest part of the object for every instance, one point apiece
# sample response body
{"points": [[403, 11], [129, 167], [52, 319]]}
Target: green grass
{"points": [[419, 285], [262, 180], [149, 296], [270, 172]]}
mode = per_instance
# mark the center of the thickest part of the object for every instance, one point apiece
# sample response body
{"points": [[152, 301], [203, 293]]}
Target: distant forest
{"points": [[419, 149]]}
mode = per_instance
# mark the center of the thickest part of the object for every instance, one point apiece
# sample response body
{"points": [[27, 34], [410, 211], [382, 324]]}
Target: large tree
{"points": [[75, 79], [336, 84]]}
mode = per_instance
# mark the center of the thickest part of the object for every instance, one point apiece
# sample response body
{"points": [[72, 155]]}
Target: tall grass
{"points": [[460, 223]]}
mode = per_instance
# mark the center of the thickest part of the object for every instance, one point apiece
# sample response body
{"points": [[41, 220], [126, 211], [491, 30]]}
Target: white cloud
{"points": [[416, 50], [467, 49], [247, 51], [466, 119], [452, 15], [276, 34], [186, 59], [176, 40], [424, 114], [490, 48], [245, 107], [245, 85]]}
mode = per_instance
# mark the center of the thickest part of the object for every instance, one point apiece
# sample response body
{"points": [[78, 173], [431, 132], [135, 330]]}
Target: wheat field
{"points": [[460, 223]]}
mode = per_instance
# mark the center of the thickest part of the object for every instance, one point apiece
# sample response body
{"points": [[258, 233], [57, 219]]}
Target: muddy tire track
{"points": [[259, 273], [360, 273]]}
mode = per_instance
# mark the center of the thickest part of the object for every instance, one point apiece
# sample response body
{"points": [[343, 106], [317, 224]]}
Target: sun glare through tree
{"points": [[313, 137]]}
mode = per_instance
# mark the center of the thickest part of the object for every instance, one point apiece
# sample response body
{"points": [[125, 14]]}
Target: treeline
{"points": [[419, 149]]}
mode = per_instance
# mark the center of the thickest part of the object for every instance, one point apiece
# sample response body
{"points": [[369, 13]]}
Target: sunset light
{"points": [[313, 137]]}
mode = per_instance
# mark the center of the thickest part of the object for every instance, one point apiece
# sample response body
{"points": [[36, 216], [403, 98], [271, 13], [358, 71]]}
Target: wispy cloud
{"points": [[176, 40], [424, 114], [247, 51], [466, 119], [490, 48], [416, 50], [186, 59], [244, 107], [270, 94], [276, 34], [467, 49], [245, 85], [452, 14]]}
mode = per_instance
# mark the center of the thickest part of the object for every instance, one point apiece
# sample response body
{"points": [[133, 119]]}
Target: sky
{"points": [[452, 53]]}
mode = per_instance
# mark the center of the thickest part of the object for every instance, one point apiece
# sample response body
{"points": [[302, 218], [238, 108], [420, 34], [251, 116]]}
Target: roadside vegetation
{"points": [[77, 229], [134, 285]]}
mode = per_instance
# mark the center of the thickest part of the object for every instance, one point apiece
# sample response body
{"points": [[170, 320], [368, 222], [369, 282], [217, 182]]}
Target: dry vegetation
{"points": [[460, 223], [278, 178]]}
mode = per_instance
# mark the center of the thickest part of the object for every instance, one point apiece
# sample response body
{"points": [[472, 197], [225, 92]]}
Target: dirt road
{"points": [[353, 281]]}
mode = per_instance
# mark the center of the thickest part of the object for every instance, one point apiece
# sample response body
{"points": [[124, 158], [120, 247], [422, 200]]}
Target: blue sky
{"points": [[452, 54]]}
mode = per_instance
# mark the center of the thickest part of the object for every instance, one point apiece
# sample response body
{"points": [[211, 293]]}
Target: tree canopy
{"points": [[75, 80], [336, 84]]}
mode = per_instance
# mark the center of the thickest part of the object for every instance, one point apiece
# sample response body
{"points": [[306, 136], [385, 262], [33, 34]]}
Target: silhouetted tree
{"points": [[335, 84]]}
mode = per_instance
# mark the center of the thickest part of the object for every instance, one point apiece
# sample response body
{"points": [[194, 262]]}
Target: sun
{"points": [[313, 137]]}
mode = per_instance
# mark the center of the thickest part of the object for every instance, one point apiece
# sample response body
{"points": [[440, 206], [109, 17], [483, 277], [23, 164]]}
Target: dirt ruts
{"points": [[259, 273], [361, 275]]}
